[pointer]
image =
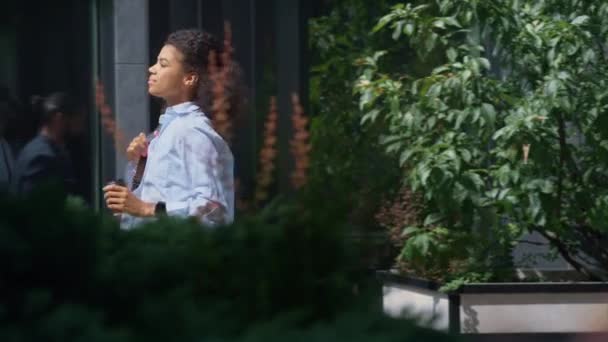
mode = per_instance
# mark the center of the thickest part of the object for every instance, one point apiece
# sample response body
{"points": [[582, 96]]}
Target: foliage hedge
{"points": [[69, 274]]}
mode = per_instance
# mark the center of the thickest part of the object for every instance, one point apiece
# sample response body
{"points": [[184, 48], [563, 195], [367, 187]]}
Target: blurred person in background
{"points": [[8, 112], [44, 159]]}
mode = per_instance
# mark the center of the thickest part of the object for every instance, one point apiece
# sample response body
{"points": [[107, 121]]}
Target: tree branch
{"points": [[532, 243], [565, 253], [562, 160], [594, 243]]}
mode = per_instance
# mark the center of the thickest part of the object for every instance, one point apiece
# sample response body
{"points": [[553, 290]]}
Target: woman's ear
{"points": [[191, 79]]}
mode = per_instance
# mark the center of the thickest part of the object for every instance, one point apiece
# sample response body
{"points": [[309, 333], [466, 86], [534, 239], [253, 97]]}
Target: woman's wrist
{"points": [[148, 209]]}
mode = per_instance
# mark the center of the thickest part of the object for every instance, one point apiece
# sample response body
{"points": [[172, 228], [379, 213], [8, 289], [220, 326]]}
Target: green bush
{"points": [[67, 274], [347, 161]]}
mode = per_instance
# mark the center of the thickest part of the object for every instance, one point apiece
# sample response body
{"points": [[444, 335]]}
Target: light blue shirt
{"points": [[189, 167]]}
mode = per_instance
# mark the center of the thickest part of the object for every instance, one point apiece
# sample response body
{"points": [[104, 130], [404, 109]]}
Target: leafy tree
{"points": [[347, 163], [506, 134]]}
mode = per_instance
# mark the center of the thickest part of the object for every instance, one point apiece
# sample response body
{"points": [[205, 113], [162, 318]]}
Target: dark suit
{"points": [[43, 161], [6, 166]]}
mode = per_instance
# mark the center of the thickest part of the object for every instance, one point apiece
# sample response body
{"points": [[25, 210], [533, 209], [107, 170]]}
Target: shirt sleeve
{"points": [[203, 165], [7, 166]]}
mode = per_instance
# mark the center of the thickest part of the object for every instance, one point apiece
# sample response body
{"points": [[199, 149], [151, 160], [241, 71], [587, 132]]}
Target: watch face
{"points": [[160, 209]]}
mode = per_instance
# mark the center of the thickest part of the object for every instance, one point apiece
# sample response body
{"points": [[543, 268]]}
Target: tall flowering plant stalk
{"points": [[299, 144], [107, 119], [219, 69], [299, 149], [268, 154]]}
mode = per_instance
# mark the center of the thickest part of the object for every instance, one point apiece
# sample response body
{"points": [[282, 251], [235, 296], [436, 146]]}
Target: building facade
{"points": [[70, 45]]}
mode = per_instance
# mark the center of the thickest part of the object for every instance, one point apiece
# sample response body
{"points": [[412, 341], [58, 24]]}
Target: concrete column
{"points": [[130, 71]]}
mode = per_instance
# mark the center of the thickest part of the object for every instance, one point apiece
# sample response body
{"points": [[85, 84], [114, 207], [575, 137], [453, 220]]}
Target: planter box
{"points": [[500, 307]]}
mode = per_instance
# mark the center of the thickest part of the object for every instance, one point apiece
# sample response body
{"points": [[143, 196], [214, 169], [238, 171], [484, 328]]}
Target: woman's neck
{"points": [[172, 104], [176, 101], [179, 98]]}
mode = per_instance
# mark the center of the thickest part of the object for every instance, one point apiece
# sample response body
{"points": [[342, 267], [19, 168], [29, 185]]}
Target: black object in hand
{"points": [[119, 182], [139, 172]]}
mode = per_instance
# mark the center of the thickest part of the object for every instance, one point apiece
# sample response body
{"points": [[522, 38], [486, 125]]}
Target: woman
{"points": [[45, 159], [189, 167]]}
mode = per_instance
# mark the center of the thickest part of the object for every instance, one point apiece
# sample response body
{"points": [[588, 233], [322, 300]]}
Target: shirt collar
{"points": [[177, 110], [182, 108]]}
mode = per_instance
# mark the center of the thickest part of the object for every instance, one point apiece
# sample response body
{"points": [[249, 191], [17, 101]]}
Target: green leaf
{"points": [[417, 245], [466, 155], [540, 220], [424, 173], [498, 134], [434, 90], [408, 29], [580, 20], [408, 120], [431, 122], [430, 42], [476, 114], [439, 23], [440, 69], [452, 54], [546, 187], [421, 243], [503, 193], [489, 113], [460, 117], [367, 98], [410, 231], [485, 63], [405, 156], [450, 154], [432, 219], [370, 116], [452, 21], [395, 105], [551, 88], [398, 29], [460, 193], [466, 75], [394, 147], [379, 54], [534, 204], [589, 56], [383, 22], [476, 180], [515, 176], [504, 174]]}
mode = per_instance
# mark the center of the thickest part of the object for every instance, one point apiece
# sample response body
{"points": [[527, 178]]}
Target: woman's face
{"points": [[168, 78]]}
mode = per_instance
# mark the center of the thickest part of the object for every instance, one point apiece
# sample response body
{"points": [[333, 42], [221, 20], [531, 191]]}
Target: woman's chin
{"points": [[153, 91]]}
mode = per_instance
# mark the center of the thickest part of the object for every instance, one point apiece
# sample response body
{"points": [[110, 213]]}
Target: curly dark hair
{"points": [[197, 47]]}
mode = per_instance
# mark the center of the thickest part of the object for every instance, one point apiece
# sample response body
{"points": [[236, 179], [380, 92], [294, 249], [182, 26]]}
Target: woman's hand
{"points": [[120, 200], [137, 148]]}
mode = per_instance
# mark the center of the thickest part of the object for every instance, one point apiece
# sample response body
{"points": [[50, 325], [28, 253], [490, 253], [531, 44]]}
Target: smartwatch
{"points": [[160, 209]]}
